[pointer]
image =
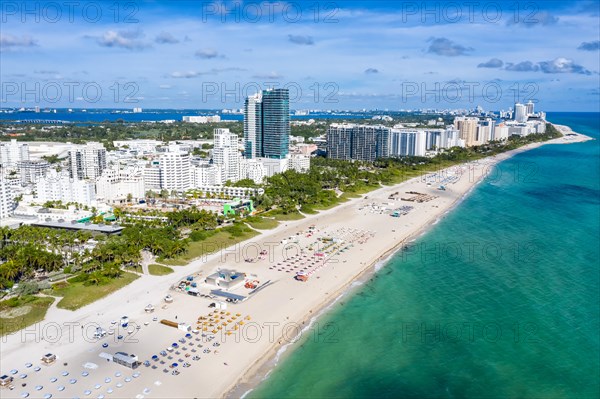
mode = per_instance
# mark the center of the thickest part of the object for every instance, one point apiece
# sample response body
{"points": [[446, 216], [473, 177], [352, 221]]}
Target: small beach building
{"points": [[238, 206], [226, 279]]}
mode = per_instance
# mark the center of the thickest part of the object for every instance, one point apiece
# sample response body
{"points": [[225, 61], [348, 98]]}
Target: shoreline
{"points": [[260, 371], [242, 363]]}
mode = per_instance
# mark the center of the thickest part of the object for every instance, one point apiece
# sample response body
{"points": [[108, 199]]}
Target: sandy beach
{"points": [[225, 355]]}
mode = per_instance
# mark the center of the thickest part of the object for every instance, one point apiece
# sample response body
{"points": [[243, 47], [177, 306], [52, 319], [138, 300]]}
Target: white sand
{"points": [[277, 312]]}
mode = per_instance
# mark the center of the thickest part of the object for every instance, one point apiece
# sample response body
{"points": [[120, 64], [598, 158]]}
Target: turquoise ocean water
{"points": [[499, 299]]}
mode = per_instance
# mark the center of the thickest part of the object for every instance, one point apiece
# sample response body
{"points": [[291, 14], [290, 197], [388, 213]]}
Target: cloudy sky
{"points": [[330, 54]]}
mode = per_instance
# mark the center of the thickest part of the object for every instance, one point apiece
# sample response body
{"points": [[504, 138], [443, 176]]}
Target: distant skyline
{"points": [[341, 55]]}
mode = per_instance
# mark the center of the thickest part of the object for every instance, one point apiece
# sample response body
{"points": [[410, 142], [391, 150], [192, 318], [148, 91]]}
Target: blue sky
{"points": [[330, 54]]}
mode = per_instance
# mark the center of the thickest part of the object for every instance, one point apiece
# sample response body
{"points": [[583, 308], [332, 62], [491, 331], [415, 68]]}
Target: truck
{"points": [[100, 333]]}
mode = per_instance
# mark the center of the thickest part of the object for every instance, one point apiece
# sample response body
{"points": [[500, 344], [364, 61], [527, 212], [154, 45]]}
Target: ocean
{"points": [[98, 115], [499, 299]]}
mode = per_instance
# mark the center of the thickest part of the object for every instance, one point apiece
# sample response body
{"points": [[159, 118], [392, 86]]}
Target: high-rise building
{"points": [[339, 141], [521, 112], [370, 142], [32, 170], [6, 199], [267, 124], [87, 161], [485, 131], [12, 153], [276, 123], [117, 185], [175, 171], [443, 138], [253, 126], [60, 187], [359, 142], [226, 154], [468, 129], [408, 142], [530, 108]]}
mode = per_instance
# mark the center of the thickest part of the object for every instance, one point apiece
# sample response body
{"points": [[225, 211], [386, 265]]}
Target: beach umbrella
{"points": [[174, 365], [87, 392], [174, 345], [72, 381], [60, 388], [154, 357], [107, 380]]}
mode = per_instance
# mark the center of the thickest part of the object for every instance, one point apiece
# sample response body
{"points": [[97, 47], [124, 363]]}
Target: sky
{"points": [[330, 54]]}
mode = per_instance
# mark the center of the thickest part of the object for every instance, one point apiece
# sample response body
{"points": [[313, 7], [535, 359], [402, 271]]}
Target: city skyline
{"points": [[339, 55]]}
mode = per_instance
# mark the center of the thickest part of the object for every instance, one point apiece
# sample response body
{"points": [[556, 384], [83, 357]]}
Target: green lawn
{"points": [[282, 217], [308, 210], [218, 241], [159, 270], [18, 313], [261, 223], [76, 294]]}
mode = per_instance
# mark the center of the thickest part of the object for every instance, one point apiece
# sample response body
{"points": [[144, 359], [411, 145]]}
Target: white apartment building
{"points": [[13, 152], [234, 192], [52, 214], [207, 174], [521, 112], [6, 199], [151, 176], [501, 132], [443, 138], [252, 169], [408, 142], [172, 171], [116, 185], [273, 166], [298, 162], [252, 125], [175, 171], [226, 155], [87, 161], [60, 187], [31, 171]]}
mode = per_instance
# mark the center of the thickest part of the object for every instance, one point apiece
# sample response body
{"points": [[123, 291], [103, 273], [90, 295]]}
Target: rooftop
{"points": [[100, 228]]}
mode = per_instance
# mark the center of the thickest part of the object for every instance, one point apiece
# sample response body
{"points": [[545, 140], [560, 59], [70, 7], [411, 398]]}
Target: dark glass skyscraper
{"points": [[267, 124]]}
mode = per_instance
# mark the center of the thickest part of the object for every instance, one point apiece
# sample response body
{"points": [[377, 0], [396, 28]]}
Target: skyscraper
{"points": [[267, 124], [360, 142], [253, 126], [521, 112], [530, 108], [6, 199], [468, 129], [226, 154]]}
